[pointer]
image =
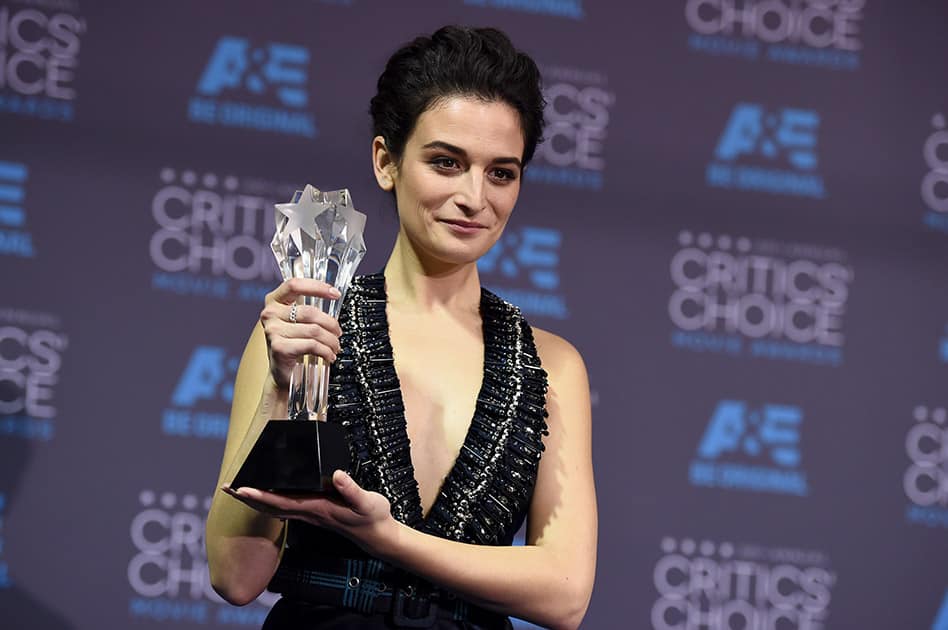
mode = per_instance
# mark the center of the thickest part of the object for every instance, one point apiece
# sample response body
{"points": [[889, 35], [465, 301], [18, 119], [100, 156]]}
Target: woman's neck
{"points": [[416, 283]]}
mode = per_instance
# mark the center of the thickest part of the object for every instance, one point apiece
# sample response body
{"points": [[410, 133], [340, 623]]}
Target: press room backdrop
{"points": [[740, 218]]}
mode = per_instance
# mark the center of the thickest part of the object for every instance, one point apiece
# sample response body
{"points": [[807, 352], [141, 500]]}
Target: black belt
{"points": [[372, 587]]}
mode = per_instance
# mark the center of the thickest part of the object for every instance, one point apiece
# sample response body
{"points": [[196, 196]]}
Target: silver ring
{"points": [[293, 313]]}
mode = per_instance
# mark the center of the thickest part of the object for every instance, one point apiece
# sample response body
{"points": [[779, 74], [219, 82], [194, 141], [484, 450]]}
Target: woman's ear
{"points": [[383, 163]]}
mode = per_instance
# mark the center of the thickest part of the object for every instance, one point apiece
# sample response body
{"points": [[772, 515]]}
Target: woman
{"points": [[449, 435]]}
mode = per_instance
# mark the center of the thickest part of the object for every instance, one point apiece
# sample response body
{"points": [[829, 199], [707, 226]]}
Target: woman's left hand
{"points": [[362, 516]]}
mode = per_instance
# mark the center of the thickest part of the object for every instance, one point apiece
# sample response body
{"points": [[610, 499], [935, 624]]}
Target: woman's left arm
{"points": [[549, 580]]}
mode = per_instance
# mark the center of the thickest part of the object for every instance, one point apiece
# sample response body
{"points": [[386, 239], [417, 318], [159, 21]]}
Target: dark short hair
{"points": [[456, 61]]}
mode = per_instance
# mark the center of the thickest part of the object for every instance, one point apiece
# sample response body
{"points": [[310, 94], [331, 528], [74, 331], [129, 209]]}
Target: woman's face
{"points": [[458, 179]]}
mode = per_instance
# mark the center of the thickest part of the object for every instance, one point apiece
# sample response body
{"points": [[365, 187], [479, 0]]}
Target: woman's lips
{"points": [[463, 227]]}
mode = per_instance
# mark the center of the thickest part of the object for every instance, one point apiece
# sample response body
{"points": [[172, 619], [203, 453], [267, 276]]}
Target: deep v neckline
{"points": [[403, 424], [487, 490]]}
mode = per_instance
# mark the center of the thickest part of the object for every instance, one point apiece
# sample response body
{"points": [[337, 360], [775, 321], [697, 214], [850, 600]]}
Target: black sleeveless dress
{"points": [[326, 580]]}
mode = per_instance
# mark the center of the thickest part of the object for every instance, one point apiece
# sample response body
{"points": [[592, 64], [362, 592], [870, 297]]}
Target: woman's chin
{"points": [[457, 255], [453, 251]]}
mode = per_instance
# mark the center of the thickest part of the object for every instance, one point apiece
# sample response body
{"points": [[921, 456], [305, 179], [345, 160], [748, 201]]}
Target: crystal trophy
{"points": [[319, 236]]}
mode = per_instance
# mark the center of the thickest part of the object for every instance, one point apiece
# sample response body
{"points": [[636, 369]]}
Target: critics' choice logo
{"points": [[523, 268], [926, 479], [168, 573], [212, 235], [815, 33], [756, 449], [572, 9], [771, 151], [201, 399], [759, 298], [255, 87], [5, 581], [578, 105], [935, 182], [39, 57], [14, 239], [723, 586], [32, 345]]}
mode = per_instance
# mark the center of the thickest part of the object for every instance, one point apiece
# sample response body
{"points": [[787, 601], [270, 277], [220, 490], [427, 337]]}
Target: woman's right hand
{"points": [[313, 332]]}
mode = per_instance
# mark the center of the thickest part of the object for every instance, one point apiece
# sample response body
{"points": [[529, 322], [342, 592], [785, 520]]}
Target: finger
{"points": [[268, 501], [253, 504], [290, 290], [284, 503], [312, 315], [320, 509], [309, 331], [289, 347], [350, 492], [275, 313], [253, 494]]}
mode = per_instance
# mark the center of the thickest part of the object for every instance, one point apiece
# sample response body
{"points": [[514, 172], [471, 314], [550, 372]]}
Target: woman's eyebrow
{"points": [[447, 146], [440, 144]]}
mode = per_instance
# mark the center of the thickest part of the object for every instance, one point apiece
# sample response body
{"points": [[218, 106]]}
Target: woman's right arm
{"points": [[243, 544]]}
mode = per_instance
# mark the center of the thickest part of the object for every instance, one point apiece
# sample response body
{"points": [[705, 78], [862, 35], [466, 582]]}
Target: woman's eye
{"points": [[445, 163], [503, 174]]}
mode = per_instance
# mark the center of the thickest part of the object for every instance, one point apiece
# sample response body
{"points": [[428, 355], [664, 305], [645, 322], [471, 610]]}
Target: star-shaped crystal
{"points": [[319, 235]]}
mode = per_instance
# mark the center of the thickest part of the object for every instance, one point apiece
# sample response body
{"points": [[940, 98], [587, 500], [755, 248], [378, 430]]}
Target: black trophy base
{"points": [[295, 457]]}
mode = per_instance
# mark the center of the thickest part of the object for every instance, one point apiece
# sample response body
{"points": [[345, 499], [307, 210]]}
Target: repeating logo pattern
{"points": [[212, 235], [812, 33], [926, 479], [578, 110], [768, 151], [39, 57], [722, 586], [523, 268], [167, 572], [756, 449], [14, 239], [262, 88], [759, 298], [743, 301], [201, 400], [32, 345]]}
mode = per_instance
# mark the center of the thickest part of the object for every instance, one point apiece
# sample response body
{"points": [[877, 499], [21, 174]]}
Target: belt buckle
{"points": [[400, 596]]}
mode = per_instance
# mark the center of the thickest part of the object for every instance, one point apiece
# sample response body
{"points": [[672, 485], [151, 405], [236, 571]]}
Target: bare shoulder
{"points": [[561, 360]]}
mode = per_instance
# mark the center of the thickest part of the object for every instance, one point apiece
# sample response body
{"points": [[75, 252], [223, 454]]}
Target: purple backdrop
{"points": [[740, 218]]}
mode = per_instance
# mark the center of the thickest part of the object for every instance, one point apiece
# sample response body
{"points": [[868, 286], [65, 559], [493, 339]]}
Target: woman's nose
{"points": [[472, 193]]}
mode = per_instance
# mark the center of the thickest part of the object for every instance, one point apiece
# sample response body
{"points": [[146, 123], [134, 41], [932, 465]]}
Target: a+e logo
{"points": [[751, 130], [735, 428], [209, 376], [236, 66], [533, 250]]}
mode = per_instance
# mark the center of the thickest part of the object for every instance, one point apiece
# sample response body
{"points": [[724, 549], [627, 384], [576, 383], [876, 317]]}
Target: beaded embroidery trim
{"points": [[488, 490]]}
